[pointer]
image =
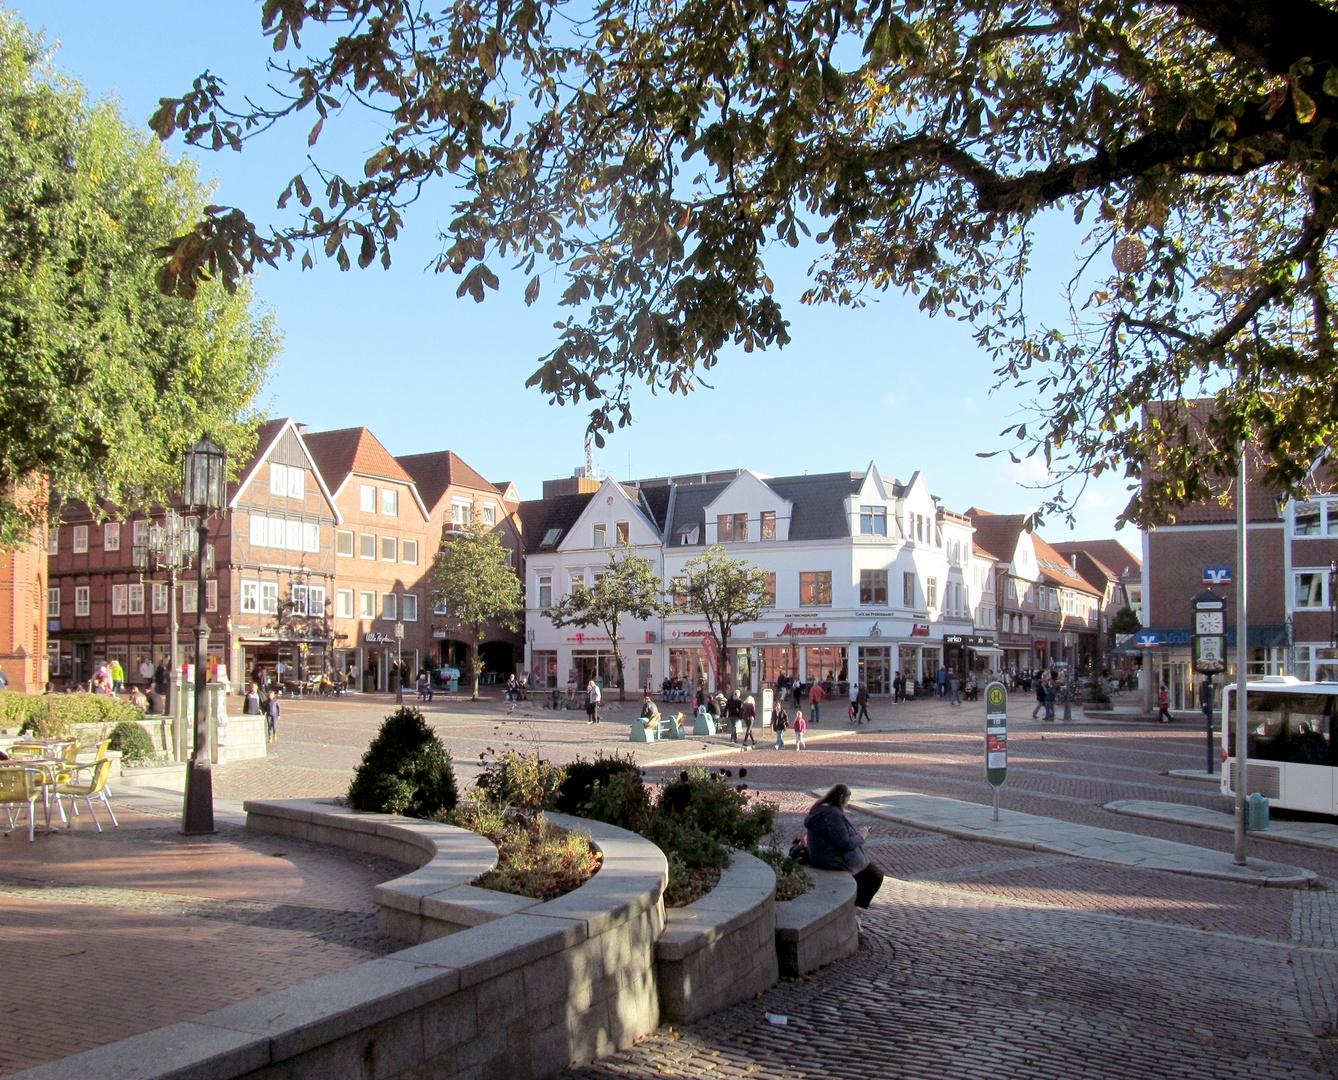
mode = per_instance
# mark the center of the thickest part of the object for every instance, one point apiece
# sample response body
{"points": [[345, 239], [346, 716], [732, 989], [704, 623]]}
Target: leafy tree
{"points": [[630, 586], [105, 380], [478, 588], [727, 592], [650, 154]]}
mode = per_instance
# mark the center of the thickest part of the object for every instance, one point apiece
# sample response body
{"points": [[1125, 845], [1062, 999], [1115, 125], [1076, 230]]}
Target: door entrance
{"points": [[875, 669]]}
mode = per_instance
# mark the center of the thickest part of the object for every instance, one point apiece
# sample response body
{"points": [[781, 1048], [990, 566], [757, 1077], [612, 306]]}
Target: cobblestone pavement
{"points": [[137, 927]]}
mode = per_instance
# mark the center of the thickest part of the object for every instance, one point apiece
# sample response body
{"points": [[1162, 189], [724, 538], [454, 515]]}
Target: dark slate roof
{"points": [[655, 504], [690, 504], [819, 511], [538, 516]]}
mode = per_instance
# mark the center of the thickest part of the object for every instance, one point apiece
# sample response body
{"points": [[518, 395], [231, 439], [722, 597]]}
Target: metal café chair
{"points": [[94, 787], [22, 784]]}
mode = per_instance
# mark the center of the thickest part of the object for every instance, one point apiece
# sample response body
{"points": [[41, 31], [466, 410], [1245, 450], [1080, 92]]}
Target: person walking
{"points": [[854, 700], [835, 844], [118, 677], [1163, 704], [145, 672], [780, 720], [592, 700], [800, 726], [748, 713], [1040, 698], [898, 685], [1051, 690], [942, 682], [862, 703], [272, 717], [815, 696], [954, 689]]}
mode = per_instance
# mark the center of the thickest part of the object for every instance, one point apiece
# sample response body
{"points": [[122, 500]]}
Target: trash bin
{"points": [[1256, 813]]}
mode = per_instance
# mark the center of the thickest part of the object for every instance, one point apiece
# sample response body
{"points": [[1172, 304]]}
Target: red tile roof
{"points": [[997, 532], [352, 450], [266, 433], [1057, 570], [1110, 554], [437, 471]]}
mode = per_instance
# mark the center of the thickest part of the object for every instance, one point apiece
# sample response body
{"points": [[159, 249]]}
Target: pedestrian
{"points": [[145, 672], [800, 726], [835, 844], [1051, 693], [1040, 698], [942, 682], [592, 699], [954, 689], [160, 678], [1163, 705], [272, 717], [251, 707], [898, 686], [748, 713], [780, 720], [815, 696], [862, 701], [650, 713], [117, 677], [798, 690], [854, 700]]}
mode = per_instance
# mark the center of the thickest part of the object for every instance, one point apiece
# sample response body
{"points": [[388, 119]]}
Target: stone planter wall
{"points": [[818, 928], [722, 949]]}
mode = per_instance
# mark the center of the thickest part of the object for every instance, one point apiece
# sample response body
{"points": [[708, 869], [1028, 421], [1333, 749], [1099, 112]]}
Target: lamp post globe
{"points": [[203, 494]]}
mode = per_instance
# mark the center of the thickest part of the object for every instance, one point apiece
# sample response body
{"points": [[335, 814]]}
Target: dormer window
{"points": [[731, 528], [873, 520], [768, 524], [551, 538], [690, 536]]}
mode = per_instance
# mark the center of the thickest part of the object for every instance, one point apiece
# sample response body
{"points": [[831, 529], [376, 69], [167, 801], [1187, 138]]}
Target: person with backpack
{"points": [[780, 720], [800, 726]]}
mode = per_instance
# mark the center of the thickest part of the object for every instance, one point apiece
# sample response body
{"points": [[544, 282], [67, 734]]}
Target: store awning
{"points": [[986, 650]]}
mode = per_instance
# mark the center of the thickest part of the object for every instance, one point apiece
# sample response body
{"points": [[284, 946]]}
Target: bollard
{"points": [[1256, 813]]}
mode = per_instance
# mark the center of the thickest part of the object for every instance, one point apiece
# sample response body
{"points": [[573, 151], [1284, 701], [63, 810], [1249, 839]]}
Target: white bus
{"points": [[1292, 745]]}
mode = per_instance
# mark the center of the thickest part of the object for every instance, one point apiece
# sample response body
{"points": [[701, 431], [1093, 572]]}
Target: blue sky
{"points": [[397, 352]]}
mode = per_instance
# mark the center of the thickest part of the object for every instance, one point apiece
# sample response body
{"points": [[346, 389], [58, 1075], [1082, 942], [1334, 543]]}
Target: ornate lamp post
{"points": [[204, 492], [168, 549]]}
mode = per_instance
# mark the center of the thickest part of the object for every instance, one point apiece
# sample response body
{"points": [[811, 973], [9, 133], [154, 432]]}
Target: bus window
{"points": [[1296, 728]]}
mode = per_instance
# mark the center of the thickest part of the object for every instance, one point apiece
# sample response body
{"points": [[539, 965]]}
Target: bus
{"points": [[1292, 745]]}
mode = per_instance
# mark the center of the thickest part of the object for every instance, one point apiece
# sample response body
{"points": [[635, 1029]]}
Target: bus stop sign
{"points": [[996, 733]]}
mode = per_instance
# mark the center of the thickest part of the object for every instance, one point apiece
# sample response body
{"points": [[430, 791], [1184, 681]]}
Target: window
{"points": [[367, 498], [298, 597], [140, 532], [389, 606], [462, 512], [600, 534], [250, 597], [120, 599], [731, 528], [344, 543], [624, 531], [908, 590], [269, 598], [259, 530], [211, 595], [292, 533], [873, 520], [80, 539], [409, 552], [409, 611], [311, 536], [366, 546], [367, 605], [545, 591], [873, 585], [316, 601], [53, 603], [297, 483], [1307, 520], [390, 549], [160, 598], [769, 591], [679, 587], [53, 541], [390, 502], [510, 559], [551, 538], [81, 600], [440, 609], [111, 536], [344, 603], [1309, 592], [815, 588], [938, 534], [768, 524], [137, 599], [931, 592], [489, 514], [190, 598], [278, 480]]}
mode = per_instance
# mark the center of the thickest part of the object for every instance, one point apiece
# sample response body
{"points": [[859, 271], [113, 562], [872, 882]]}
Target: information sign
{"points": [[996, 733], [1209, 634]]}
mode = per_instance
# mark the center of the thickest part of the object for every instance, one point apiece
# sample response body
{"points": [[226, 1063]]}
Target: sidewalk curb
{"points": [[1201, 817]]}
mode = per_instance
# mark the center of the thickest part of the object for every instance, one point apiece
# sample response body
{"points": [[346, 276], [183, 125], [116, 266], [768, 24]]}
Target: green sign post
{"points": [[996, 739]]}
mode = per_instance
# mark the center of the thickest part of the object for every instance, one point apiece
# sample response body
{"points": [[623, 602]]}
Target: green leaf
{"points": [[1331, 81]]}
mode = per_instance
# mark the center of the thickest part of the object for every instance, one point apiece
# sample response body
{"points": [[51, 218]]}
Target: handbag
{"points": [[799, 849]]}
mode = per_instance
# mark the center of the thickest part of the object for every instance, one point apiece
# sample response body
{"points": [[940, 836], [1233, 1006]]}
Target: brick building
{"points": [[23, 617]]}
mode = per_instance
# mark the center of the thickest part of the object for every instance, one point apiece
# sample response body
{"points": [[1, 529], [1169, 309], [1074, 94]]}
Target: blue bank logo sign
{"points": [[1217, 575]]}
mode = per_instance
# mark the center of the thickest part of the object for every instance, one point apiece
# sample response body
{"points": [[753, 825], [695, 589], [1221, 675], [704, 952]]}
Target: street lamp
{"points": [[203, 492], [399, 663], [168, 548]]}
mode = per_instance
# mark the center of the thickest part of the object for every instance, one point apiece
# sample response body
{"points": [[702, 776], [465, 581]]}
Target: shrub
{"points": [[405, 770], [1098, 693], [581, 777], [791, 881], [621, 799], [133, 742], [54, 715], [704, 802], [525, 781]]}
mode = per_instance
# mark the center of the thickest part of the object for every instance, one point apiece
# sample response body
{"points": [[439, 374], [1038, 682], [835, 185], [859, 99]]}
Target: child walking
{"points": [[800, 726]]}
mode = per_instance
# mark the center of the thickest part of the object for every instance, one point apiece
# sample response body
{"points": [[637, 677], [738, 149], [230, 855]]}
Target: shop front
{"points": [[968, 654], [286, 661]]}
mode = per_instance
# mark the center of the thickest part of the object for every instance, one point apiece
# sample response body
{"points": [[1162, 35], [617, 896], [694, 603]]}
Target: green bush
{"points": [[704, 802], [405, 770], [1098, 693], [578, 784], [54, 715], [525, 781], [621, 799], [133, 742]]}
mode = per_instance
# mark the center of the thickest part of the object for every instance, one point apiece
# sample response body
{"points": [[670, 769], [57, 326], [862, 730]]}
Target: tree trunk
{"points": [[618, 661], [474, 660]]}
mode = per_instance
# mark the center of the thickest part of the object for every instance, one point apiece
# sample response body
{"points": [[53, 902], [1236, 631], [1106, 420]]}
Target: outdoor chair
{"points": [[94, 787], [20, 784]]}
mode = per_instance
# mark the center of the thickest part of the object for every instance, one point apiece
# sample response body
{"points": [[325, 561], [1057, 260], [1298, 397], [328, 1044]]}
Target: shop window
{"points": [[250, 597], [80, 539], [815, 588], [269, 598], [873, 520], [344, 603], [409, 551], [344, 543], [390, 502], [873, 587], [111, 536], [731, 528], [768, 524]]}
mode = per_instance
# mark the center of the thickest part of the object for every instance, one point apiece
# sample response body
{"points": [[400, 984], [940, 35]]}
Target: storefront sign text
{"points": [[920, 629], [820, 630]]}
